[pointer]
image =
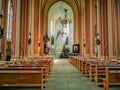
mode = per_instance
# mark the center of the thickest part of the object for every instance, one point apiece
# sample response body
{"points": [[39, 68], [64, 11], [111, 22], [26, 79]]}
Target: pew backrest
{"points": [[112, 77]]}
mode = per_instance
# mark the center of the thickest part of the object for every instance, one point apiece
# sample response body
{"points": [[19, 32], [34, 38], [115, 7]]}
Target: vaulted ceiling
{"points": [[74, 2], [58, 10], [75, 6]]}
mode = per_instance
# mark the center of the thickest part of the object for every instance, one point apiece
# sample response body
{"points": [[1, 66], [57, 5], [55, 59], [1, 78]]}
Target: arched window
{"points": [[9, 21]]}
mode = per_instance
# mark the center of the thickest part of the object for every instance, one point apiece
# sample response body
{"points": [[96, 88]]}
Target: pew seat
{"points": [[112, 77]]}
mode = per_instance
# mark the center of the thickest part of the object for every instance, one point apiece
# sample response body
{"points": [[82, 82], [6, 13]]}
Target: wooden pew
{"points": [[32, 65], [21, 78], [50, 58], [112, 77], [97, 70], [91, 68], [82, 64], [18, 68], [99, 74], [72, 60], [100, 71]]}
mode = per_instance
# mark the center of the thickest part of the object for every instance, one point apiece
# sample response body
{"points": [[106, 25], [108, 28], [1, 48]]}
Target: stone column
{"points": [[79, 28], [87, 26], [41, 28], [24, 29], [98, 27], [0, 25], [93, 26], [13, 44], [114, 47], [32, 28], [111, 29], [82, 32], [17, 40], [29, 25], [103, 29], [118, 27], [36, 26], [4, 25], [83, 27]]}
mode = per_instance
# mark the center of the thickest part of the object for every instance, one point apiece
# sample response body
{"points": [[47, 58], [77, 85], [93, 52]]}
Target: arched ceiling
{"points": [[57, 10], [75, 2]]}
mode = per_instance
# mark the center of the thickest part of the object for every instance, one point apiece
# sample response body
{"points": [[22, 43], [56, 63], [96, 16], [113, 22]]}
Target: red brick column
{"points": [[21, 29], [24, 29], [4, 23], [13, 44], [113, 29], [103, 29], [79, 30], [41, 29], [94, 26], [87, 26], [118, 27], [36, 25]]}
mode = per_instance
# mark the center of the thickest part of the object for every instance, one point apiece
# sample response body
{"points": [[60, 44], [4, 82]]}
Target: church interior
{"points": [[48, 43]]}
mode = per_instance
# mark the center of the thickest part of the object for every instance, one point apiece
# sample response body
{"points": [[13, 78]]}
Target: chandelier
{"points": [[65, 21]]}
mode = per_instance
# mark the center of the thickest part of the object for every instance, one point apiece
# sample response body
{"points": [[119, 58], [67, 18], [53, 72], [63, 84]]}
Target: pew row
{"points": [[100, 71], [95, 69], [22, 73], [22, 78], [112, 77]]}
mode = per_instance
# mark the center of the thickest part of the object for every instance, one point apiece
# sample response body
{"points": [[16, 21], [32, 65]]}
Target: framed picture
{"points": [[76, 48]]}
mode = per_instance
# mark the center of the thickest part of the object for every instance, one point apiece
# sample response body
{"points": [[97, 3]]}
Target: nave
{"points": [[33, 28], [65, 76]]}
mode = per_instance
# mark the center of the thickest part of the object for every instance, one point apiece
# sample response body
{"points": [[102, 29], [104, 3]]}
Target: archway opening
{"points": [[60, 29]]}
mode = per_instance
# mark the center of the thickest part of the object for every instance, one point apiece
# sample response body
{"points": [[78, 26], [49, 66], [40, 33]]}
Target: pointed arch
{"points": [[72, 4]]}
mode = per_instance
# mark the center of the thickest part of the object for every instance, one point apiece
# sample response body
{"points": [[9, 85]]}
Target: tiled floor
{"points": [[66, 77]]}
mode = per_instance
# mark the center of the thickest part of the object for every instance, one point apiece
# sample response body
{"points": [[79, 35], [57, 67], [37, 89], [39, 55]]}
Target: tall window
{"points": [[9, 21], [52, 27], [66, 29]]}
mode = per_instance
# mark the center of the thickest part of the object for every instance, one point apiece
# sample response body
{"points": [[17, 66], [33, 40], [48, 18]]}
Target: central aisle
{"points": [[64, 76]]}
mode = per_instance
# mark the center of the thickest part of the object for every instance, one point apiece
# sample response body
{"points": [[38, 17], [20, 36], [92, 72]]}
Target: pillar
{"points": [[36, 26], [87, 26], [103, 29]]}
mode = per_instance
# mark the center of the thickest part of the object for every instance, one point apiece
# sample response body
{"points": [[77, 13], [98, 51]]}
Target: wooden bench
{"points": [[99, 74], [112, 77], [22, 78], [90, 67], [32, 65], [25, 70], [100, 71], [48, 58]]}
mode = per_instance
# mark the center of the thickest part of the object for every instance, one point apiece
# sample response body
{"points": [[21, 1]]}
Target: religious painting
{"points": [[76, 48]]}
